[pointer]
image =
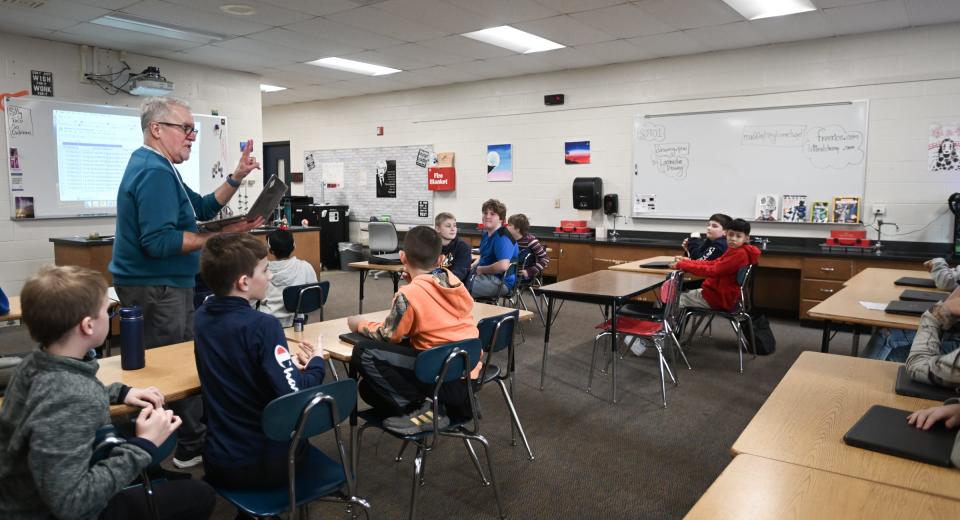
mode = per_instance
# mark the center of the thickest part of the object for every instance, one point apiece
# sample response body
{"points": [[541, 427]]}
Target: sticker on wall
{"points": [[14, 159], [499, 162], [423, 157], [576, 152], [942, 148], [41, 83], [24, 207], [386, 179], [423, 208]]}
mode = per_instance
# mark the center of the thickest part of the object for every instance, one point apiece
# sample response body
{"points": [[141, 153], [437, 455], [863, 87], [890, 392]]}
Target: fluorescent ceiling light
{"points": [[756, 9], [271, 88], [514, 39], [357, 67], [140, 25]]}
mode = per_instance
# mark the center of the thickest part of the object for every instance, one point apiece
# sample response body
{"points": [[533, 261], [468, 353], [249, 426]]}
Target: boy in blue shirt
{"points": [[244, 363], [497, 250]]}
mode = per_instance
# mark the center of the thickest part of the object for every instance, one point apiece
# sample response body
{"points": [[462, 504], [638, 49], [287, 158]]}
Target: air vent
{"points": [[32, 4]]}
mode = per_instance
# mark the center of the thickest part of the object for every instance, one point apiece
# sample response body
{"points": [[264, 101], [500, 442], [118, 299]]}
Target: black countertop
{"points": [[891, 250], [79, 241]]}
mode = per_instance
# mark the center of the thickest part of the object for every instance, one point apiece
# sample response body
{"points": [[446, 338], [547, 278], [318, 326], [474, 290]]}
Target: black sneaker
{"points": [[418, 421], [184, 458]]}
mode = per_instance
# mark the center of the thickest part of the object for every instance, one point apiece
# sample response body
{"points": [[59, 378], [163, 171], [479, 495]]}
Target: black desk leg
{"points": [[855, 347], [613, 348], [825, 339], [546, 340], [354, 448], [363, 279]]}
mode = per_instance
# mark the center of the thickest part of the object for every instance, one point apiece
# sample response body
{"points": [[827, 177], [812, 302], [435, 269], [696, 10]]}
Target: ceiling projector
{"points": [[150, 83]]}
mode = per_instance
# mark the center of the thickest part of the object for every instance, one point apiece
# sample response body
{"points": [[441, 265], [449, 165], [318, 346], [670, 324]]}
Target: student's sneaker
{"points": [[184, 459], [420, 420], [638, 347]]}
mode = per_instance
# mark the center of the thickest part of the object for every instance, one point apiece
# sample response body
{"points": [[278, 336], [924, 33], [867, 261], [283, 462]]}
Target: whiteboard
{"points": [[693, 165], [35, 187]]}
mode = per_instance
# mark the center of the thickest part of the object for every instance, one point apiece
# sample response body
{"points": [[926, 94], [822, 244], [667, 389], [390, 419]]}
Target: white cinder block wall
{"points": [[24, 246], [911, 78]]}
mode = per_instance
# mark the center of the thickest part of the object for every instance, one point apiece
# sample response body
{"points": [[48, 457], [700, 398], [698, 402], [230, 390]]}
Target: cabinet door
{"points": [[574, 260]]}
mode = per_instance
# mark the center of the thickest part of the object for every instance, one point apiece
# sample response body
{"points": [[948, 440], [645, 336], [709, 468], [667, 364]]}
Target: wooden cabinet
{"points": [[574, 260], [827, 269], [553, 253]]}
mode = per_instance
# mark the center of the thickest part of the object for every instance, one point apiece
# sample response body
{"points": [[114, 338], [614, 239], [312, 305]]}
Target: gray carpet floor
{"points": [[594, 459]]}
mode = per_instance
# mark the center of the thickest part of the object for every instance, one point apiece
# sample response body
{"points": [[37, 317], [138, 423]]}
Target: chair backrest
{"points": [[383, 237], [496, 332], [444, 361], [282, 416], [670, 297], [307, 297], [745, 281]]}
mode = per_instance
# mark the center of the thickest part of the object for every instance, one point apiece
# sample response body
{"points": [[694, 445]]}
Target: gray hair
{"points": [[156, 108]]}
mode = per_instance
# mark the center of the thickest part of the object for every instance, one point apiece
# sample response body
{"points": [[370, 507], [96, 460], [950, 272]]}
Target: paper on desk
{"points": [[874, 306]]}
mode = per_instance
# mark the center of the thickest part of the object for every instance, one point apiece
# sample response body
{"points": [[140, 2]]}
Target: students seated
{"points": [[433, 309], [244, 363], [287, 271], [497, 250], [55, 406], [934, 355], [720, 290], [519, 227], [457, 255], [943, 275], [715, 243]]}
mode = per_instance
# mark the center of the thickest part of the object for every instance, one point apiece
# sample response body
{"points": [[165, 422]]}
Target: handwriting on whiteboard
{"points": [[21, 120], [672, 159], [773, 135], [833, 147]]}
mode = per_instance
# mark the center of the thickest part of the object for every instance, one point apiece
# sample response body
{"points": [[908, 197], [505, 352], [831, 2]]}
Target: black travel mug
{"points": [[131, 338]]}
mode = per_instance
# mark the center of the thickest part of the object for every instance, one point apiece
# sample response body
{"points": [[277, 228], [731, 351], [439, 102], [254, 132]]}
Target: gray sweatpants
{"points": [[693, 298]]}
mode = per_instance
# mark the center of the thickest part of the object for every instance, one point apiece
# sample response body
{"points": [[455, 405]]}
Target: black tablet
{"points": [[913, 295], [885, 430], [910, 281], [908, 308], [656, 265], [353, 338], [909, 387]]}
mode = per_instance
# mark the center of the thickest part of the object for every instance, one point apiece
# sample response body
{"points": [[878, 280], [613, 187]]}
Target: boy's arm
{"points": [[542, 260], [395, 327], [277, 363], [943, 275], [462, 258], [726, 265], [925, 363]]}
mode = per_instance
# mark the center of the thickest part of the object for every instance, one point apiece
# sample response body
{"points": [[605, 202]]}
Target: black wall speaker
{"points": [[611, 204]]}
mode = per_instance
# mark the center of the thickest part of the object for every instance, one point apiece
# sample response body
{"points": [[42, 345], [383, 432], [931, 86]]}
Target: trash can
{"points": [[349, 252]]}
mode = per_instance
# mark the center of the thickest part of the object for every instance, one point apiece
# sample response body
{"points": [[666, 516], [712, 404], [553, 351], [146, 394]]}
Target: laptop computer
{"points": [[352, 338], [908, 308], [910, 281], [912, 295], [386, 259], [885, 430], [909, 387], [656, 265], [269, 199]]}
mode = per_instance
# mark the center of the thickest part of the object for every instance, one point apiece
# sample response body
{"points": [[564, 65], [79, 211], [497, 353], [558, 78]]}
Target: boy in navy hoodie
{"points": [[715, 242], [244, 363]]}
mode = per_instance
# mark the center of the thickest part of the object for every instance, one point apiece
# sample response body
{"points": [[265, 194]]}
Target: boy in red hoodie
{"points": [[433, 309], [720, 290]]}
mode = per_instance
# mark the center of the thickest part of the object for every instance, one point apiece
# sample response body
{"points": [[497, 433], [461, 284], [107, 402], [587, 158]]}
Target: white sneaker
{"points": [[638, 347]]}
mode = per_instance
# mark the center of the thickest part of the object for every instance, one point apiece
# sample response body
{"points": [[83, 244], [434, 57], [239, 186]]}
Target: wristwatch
{"points": [[233, 182]]}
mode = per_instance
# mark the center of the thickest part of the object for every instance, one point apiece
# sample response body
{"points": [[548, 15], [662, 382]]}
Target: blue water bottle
{"points": [[131, 338]]}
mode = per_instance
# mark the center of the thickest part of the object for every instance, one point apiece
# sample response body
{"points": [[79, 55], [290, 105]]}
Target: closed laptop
{"points": [[886, 430], [656, 265], [913, 295], [909, 387], [352, 338], [911, 281], [908, 308]]}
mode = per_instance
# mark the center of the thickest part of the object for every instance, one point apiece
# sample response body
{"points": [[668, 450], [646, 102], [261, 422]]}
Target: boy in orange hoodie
{"points": [[720, 290], [433, 309]]}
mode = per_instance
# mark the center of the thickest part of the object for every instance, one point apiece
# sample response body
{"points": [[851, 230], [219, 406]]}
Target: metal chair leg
{"points": [[680, 349], [493, 479], [417, 478], [663, 381], [739, 342], [593, 361], [399, 456], [151, 499], [514, 417], [476, 461]]}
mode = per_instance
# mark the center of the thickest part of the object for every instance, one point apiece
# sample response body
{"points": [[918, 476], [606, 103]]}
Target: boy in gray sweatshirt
{"points": [[55, 404]]}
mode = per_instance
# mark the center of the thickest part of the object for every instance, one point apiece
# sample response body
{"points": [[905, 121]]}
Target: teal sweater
{"points": [[154, 208]]}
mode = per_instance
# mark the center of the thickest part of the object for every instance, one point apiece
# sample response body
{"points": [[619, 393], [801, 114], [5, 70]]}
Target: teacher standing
{"points": [[156, 252]]}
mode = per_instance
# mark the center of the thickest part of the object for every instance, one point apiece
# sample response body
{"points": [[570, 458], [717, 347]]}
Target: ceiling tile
{"points": [[315, 7], [617, 51], [421, 53], [23, 30], [439, 15], [107, 4], [387, 24], [802, 26], [690, 13], [389, 60], [875, 16], [319, 47], [825, 4], [671, 44], [220, 57], [624, 21], [192, 18], [505, 12], [90, 34], [266, 13], [576, 6], [728, 36], [466, 47], [565, 30], [15, 16], [67, 9], [428, 77], [339, 32], [922, 12], [314, 75], [279, 53], [573, 58]]}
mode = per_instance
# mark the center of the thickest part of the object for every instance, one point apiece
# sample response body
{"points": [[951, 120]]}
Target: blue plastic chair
{"points": [[106, 439], [301, 299], [439, 365], [496, 334], [291, 418]]}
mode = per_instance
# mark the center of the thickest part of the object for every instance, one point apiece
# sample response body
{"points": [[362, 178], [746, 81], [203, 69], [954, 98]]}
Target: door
{"points": [[276, 161]]}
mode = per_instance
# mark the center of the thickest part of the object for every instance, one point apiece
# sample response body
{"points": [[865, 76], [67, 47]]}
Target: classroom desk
{"points": [[637, 266], [872, 285], [365, 267], [610, 288], [13, 317], [817, 401], [754, 487], [342, 351]]}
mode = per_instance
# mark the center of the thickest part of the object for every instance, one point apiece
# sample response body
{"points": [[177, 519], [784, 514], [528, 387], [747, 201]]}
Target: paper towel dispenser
{"points": [[587, 193]]}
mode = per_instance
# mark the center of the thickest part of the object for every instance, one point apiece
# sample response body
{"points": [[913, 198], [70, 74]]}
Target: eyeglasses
{"points": [[187, 129]]}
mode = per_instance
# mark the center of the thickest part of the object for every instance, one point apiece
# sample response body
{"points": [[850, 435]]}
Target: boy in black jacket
{"points": [[244, 363], [715, 243], [456, 253]]}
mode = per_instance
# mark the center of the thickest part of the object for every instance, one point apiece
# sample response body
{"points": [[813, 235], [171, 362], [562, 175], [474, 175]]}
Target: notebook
{"points": [[886, 430], [352, 338], [656, 265], [910, 281], [909, 387], [908, 308], [912, 295], [269, 199]]}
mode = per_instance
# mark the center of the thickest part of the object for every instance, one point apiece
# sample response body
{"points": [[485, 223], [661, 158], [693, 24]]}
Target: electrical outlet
{"points": [[556, 203], [879, 210]]}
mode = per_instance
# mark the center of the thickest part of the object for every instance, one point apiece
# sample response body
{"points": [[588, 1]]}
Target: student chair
{"points": [[294, 418], [496, 334], [505, 297], [738, 316], [439, 365], [306, 298], [657, 326], [527, 286], [106, 439]]}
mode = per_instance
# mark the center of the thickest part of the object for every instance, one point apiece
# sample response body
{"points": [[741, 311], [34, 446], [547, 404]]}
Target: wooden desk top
{"points": [[754, 487], [332, 329], [637, 266], [872, 285], [367, 266], [818, 400], [603, 284], [15, 310]]}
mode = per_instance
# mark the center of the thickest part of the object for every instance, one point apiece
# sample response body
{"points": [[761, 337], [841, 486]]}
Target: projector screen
{"points": [[67, 159]]}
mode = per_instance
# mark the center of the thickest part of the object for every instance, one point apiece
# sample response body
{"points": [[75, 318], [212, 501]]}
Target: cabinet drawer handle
{"points": [[828, 269], [828, 291]]}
